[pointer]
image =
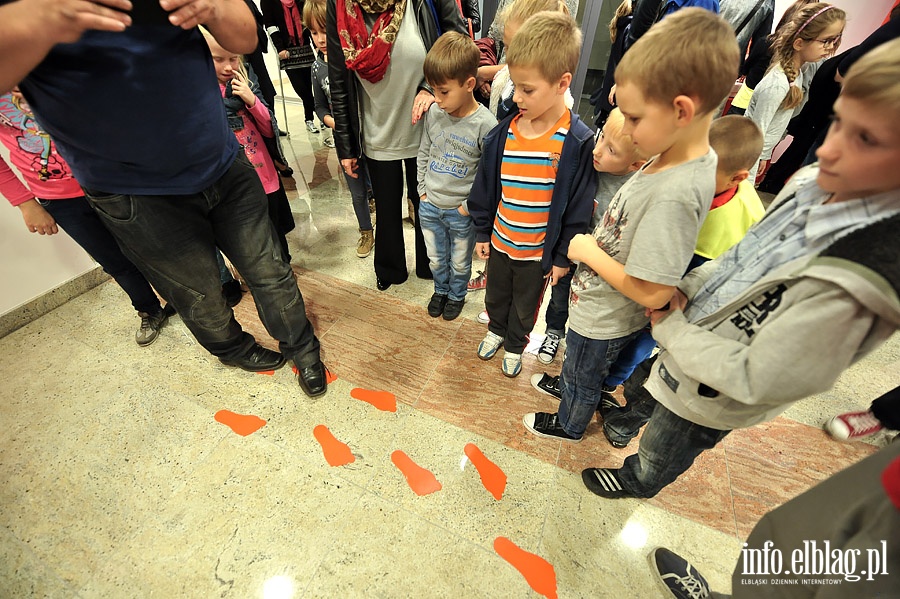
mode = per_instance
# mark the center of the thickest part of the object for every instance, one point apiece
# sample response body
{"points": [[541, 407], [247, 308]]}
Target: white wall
{"points": [[33, 264]]}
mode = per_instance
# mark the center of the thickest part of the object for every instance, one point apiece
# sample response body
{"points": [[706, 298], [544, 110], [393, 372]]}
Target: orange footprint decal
{"points": [[242, 424], [420, 480], [268, 372], [336, 452], [538, 572], [383, 400], [329, 376], [492, 477]]}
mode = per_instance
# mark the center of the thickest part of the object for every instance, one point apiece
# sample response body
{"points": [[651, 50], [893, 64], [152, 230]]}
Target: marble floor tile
{"points": [[251, 513], [22, 574]]}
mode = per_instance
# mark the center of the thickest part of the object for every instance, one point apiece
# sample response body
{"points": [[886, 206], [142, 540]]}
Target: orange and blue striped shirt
{"points": [[527, 175]]}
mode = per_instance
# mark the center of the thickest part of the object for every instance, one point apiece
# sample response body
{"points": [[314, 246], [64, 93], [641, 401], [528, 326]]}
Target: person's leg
{"points": [[281, 216], [422, 270], [462, 242], [499, 294], [390, 250], [669, 446], [886, 409], [359, 196], [78, 219], [528, 289], [638, 349], [584, 370], [437, 242], [247, 236], [558, 308], [622, 424], [301, 81]]}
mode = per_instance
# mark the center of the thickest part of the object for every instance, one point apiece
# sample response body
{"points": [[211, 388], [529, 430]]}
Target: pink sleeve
{"points": [[261, 117], [11, 187]]}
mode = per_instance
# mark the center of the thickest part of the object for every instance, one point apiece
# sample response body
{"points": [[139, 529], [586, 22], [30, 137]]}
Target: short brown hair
{"points": [[692, 52], [314, 14], [549, 41], [737, 141], [453, 56], [875, 79]]}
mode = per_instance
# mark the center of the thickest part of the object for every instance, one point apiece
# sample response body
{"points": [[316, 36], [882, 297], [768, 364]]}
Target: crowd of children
{"points": [[623, 224]]}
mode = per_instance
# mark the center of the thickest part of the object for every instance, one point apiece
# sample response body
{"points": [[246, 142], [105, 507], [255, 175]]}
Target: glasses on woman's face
{"points": [[831, 42]]}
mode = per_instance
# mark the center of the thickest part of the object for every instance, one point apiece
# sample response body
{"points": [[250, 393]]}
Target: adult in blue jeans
{"points": [[152, 148]]}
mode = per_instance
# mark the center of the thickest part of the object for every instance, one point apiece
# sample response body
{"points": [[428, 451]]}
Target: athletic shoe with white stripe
{"points": [[547, 425], [604, 482]]}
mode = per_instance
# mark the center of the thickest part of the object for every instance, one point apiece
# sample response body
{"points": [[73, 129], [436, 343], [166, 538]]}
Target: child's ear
{"points": [[636, 165], [470, 84], [564, 82], [739, 176], [685, 109]]}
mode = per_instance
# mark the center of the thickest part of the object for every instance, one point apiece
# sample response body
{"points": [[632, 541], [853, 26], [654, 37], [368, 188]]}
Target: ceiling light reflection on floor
{"points": [[278, 587], [634, 535]]}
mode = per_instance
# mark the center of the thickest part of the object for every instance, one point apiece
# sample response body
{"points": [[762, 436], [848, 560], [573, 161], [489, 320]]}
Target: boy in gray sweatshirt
{"points": [[449, 152]]}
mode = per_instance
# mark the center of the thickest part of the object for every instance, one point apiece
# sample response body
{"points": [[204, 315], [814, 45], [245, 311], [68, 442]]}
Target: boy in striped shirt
{"points": [[535, 185]]}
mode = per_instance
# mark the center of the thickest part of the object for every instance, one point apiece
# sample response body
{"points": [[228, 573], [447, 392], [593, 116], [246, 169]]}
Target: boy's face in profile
{"points": [[650, 124], [861, 154], [612, 153], [534, 95], [317, 32], [453, 97]]}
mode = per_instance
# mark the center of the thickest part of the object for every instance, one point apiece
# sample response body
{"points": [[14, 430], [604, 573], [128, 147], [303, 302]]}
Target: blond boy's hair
{"points": [[521, 10], [692, 52], [453, 57], [616, 125], [314, 14], [737, 141], [548, 41], [875, 79]]}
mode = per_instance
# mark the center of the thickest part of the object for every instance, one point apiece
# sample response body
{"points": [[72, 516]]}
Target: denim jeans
{"points": [[630, 357], [668, 448], [585, 366], [78, 219], [173, 240], [360, 188], [449, 239], [558, 308]]}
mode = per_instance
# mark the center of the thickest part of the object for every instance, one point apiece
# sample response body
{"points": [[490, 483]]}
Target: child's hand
{"points": [[483, 249], [37, 219], [678, 302], [241, 88], [462, 210], [556, 273], [581, 246]]}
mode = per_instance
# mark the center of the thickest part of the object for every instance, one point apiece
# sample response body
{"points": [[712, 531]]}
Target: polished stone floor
{"points": [[117, 479]]}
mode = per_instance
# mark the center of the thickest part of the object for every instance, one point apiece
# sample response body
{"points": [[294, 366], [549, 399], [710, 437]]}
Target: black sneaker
{"points": [[604, 482], [436, 305], [547, 425], [547, 384], [677, 575], [453, 309]]}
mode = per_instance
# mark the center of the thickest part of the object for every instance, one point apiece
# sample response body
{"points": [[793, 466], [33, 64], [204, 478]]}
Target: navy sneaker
{"points": [[677, 575]]}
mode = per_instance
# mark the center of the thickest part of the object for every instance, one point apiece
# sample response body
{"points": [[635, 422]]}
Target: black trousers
{"points": [[301, 81], [513, 298], [887, 409], [390, 249]]}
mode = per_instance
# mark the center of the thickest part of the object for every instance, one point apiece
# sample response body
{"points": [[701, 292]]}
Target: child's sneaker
{"points": [[549, 347], [436, 305], [489, 346], [677, 575], [478, 282], [366, 242], [453, 309], [311, 126], [512, 364], [483, 317], [328, 142], [853, 425], [547, 384], [547, 425]]}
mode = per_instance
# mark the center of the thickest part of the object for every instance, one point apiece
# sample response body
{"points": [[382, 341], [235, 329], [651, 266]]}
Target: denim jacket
{"points": [[571, 204]]}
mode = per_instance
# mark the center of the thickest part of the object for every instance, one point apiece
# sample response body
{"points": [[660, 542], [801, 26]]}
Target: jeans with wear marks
{"points": [[173, 240], [450, 239]]}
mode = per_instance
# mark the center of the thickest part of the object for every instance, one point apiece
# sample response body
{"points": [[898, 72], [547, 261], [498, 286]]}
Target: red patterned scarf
{"points": [[369, 54], [293, 21]]}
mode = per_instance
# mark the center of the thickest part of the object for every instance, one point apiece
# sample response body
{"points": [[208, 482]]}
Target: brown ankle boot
{"points": [[365, 243]]}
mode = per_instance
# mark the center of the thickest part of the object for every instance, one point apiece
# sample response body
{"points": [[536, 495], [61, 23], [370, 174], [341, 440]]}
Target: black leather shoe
{"points": [[453, 309], [382, 285], [257, 359], [436, 305], [312, 379]]}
